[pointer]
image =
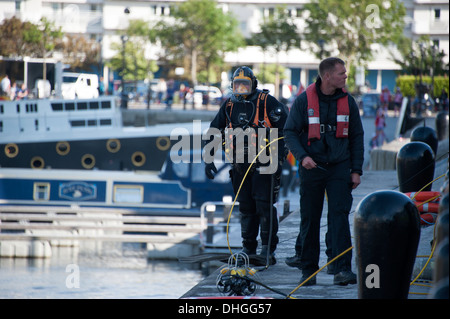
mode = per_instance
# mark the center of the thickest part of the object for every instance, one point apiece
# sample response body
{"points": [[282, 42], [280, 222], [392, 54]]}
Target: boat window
{"points": [[70, 106], [105, 122], [93, 105], [128, 193], [77, 123], [198, 172], [41, 191], [82, 106], [2, 109], [92, 122], [181, 169], [69, 79], [106, 104], [31, 108], [57, 106]]}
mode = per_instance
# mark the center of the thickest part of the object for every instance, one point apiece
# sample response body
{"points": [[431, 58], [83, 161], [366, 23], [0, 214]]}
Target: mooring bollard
{"points": [[415, 167], [442, 224], [427, 135], [442, 125], [286, 207], [441, 268], [387, 232]]}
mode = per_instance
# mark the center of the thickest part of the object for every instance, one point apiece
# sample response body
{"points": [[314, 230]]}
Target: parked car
{"points": [[370, 102], [202, 93], [79, 85]]}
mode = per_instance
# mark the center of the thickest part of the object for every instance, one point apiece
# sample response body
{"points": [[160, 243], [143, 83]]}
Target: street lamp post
{"points": [[433, 68], [421, 87], [124, 97]]}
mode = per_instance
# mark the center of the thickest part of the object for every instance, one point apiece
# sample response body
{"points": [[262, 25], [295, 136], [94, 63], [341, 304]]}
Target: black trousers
{"points": [[336, 181], [254, 205]]}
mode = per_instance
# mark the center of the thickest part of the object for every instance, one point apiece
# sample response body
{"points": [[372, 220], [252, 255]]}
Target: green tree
{"points": [[348, 28], [198, 35], [19, 38], [130, 58], [269, 72], [50, 35], [408, 84], [79, 52], [421, 56], [278, 34]]}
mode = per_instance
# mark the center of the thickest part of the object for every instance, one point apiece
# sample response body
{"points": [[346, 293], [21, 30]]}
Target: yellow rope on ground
{"points": [[319, 270]]}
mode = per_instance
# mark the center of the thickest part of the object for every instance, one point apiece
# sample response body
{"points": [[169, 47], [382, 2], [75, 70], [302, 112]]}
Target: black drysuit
{"points": [[254, 195]]}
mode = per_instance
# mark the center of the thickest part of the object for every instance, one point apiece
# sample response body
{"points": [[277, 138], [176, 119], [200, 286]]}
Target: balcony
{"points": [[73, 20], [436, 27]]}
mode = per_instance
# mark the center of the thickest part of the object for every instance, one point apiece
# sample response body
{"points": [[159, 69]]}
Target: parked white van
{"points": [[79, 85]]}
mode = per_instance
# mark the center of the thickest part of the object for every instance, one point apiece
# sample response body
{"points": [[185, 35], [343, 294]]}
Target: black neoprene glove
{"points": [[209, 169]]}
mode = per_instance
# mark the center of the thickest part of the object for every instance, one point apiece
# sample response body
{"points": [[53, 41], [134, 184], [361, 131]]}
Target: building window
{"points": [[436, 43], [437, 14]]}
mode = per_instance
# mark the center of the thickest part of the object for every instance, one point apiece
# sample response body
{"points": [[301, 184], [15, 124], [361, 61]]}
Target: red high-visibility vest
{"points": [[342, 118]]}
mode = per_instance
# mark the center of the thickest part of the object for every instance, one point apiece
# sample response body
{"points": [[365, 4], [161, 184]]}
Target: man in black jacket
{"points": [[247, 119], [324, 132]]}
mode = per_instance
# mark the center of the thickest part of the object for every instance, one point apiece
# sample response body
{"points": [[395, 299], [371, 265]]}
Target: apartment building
{"points": [[101, 19]]}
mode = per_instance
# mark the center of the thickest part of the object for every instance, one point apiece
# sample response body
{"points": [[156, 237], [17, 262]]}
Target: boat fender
{"points": [[113, 145], [88, 161], [138, 159], [62, 148], [163, 143], [11, 150], [37, 162]]}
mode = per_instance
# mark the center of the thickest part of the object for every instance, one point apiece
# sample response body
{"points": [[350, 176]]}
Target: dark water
{"points": [[122, 272]]}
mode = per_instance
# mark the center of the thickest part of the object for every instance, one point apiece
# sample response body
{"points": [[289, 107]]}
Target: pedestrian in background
{"points": [[385, 99], [398, 98]]}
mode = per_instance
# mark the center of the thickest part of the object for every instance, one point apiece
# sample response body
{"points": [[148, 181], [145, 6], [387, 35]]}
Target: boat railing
{"points": [[220, 225]]}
